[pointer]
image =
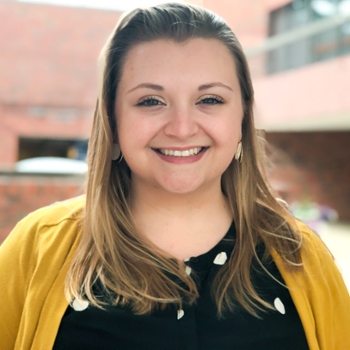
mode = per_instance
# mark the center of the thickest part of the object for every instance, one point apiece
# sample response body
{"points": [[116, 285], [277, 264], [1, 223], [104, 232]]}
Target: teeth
{"points": [[177, 153]]}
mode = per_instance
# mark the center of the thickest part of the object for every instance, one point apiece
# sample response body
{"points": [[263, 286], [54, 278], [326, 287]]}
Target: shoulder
{"points": [[319, 293], [57, 213], [52, 224], [60, 217], [52, 229], [33, 258], [318, 271], [315, 253], [318, 276]]}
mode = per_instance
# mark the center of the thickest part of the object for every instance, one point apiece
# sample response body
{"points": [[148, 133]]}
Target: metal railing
{"points": [[297, 34]]}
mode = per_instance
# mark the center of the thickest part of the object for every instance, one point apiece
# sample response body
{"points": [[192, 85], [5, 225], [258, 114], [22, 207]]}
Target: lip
{"points": [[181, 160]]}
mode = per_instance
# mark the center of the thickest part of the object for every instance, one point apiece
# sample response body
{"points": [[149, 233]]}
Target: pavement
{"points": [[337, 238]]}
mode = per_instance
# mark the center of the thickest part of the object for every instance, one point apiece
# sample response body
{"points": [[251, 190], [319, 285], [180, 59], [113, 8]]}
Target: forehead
{"points": [[203, 58]]}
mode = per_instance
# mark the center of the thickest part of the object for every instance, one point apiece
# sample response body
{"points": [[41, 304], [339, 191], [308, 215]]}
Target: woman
{"points": [[179, 243]]}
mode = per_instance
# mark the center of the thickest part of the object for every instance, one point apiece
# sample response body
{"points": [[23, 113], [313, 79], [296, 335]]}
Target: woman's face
{"points": [[179, 114]]}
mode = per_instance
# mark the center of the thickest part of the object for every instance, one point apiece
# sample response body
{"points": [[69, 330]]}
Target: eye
{"points": [[210, 100], [150, 101]]}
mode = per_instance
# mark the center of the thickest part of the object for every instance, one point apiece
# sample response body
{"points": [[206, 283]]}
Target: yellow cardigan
{"points": [[35, 258]]}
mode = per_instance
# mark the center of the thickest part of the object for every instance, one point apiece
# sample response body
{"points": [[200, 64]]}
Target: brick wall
{"points": [[22, 194], [48, 72], [312, 166], [49, 53]]}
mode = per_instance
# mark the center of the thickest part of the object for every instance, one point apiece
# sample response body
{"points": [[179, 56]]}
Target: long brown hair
{"points": [[111, 251]]}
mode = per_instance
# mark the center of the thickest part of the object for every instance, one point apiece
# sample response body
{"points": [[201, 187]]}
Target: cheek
{"points": [[229, 133], [126, 140], [134, 139]]}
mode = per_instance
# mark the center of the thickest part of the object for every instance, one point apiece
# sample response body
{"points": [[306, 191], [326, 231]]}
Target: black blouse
{"points": [[195, 327]]}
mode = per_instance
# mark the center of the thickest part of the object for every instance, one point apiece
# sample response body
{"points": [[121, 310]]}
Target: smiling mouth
{"points": [[177, 153]]}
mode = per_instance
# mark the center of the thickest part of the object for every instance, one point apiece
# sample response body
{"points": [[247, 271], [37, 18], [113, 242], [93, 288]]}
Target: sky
{"points": [[120, 5]]}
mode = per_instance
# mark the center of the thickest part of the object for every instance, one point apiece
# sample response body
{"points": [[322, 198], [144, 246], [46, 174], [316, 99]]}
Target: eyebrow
{"points": [[160, 88], [208, 86], [147, 85]]}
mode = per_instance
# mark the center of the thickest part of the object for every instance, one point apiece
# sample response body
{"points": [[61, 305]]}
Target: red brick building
{"points": [[301, 91], [47, 77], [48, 81]]}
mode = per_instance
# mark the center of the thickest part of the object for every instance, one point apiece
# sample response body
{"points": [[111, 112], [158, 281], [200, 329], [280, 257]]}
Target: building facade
{"points": [[299, 55], [298, 51]]}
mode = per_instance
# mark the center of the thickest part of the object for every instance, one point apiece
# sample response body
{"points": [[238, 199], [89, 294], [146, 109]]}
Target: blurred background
{"points": [[299, 55]]}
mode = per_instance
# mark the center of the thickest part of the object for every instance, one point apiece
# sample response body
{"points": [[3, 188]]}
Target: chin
{"points": [[181, 187], [181, 191]]}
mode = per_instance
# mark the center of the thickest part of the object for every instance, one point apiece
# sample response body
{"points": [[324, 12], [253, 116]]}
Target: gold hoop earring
{"points": [[239, 152]]}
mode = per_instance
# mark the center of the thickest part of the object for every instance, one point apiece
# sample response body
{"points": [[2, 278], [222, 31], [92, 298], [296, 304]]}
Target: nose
{"points": [[182, 123]]}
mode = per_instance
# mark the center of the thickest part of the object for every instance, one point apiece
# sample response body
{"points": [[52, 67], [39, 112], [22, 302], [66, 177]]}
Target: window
{"points": [[64, 148], [324, 45]]}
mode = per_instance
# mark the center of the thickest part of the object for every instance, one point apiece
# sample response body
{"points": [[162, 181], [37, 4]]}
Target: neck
{"points": [[150, 199], [181, 225]]}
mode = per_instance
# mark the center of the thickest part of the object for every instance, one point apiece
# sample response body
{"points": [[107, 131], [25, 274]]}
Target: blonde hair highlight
{"points": [[111, 253]]}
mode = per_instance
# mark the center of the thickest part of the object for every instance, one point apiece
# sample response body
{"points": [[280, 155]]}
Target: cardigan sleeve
{"points": [[31, 259], [319, 294], [16, 264]]}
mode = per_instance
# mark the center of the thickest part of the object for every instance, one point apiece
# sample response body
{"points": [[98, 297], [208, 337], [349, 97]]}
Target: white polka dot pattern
{"points": [[220, 259], [279, 306], [180, 314], [188, 270], [80, 305]]}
